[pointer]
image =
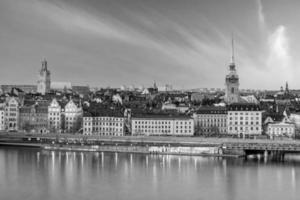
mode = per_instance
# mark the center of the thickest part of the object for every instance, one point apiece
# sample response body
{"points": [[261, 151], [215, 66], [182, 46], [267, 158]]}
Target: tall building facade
{"points": [[211, 120], [232, 82], [12, 114], [54, 116], [44, 80], [73, 117], [244, 119], [33, 118]]}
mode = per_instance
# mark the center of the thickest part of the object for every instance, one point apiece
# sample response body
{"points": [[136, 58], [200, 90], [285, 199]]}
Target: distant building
{"points": [[232, 83], [54, 116], [73, 117], [104, 122], [162, 124], [61, 86], [24, 88], [12, 114], [211, 120], [244, 119], [44, 80], [81, 90]]}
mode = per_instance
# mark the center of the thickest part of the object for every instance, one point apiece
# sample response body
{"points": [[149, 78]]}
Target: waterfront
{"points": [[36, 174]]}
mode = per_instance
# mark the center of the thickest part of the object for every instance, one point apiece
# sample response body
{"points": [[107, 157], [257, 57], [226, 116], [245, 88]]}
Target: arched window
{"points": [[232, 90]]}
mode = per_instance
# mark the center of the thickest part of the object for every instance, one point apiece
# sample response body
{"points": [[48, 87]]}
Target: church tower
{"points": [[232, 82], [44, 81]]}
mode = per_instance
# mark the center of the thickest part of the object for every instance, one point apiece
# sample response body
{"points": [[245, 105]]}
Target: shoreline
{"points": [[201, 150]]}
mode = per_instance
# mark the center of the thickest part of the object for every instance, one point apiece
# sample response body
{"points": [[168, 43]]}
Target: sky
{"points": [[135, 42]]}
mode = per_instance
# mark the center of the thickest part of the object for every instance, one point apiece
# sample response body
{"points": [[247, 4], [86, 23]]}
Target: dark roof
{"points": [[212, 110], [243, 107], [160, 116], [104, 112]]}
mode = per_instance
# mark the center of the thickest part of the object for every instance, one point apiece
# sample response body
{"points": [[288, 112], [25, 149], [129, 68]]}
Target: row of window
{"points": [[242, 123], [103, 118], [103, 124], [242, 118], [242, 113], [159, 122], [244, 128], [161, 127]]}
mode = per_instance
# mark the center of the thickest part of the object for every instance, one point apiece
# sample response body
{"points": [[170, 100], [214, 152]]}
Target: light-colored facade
{"points": [[283, 128], [54, 116], [104, 125], [211, 120], [72, 117], [44, 80], [244, 119], [11, 114], [162, 125]]}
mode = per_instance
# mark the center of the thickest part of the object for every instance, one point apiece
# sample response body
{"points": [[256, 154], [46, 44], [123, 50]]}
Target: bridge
{"points": [[275, 149]]}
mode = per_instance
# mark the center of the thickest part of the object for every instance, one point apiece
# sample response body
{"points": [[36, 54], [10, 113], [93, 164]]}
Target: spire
{"points": [[232, 49], [44, 64]]}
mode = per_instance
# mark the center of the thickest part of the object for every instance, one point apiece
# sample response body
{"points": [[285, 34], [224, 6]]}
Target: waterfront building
{"points": [[44, 81], [232, 82], [211, 120], [104, 122], [2, 122], [244, 119], [54, 116], [11, 117], [72, 117], [282, 128], [34, 118], [162, 124]]}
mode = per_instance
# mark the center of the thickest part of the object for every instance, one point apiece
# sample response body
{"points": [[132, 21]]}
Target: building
{"points": [[104, 122], [282, 128], [232, 82], [11, 117], [33, 118], [54, 117], [24, 88], [211, 120], [162, 124], [73, 117], [2, 121], [44, 80], [61, 86], [81, 90], [244, 119]]}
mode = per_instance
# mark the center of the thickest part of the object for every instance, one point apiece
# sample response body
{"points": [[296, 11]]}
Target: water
{"points": [[29, 174]]}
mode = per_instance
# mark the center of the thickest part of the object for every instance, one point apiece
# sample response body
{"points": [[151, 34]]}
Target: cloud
{"points": [[279, 59]]}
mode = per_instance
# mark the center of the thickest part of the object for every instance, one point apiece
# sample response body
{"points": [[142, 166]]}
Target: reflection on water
{"points": [[32, 174]]}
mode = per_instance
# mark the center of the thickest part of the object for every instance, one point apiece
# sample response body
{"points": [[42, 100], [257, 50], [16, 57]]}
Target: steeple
{"points": [[44, 64], [232, 63], [232, 80], [232, 50]]}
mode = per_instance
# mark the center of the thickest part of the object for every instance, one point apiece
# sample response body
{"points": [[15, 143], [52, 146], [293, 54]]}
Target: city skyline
{"points": [[113, 43]]}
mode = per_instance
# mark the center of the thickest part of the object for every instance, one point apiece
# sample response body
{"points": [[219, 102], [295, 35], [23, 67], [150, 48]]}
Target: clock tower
{"points": [[232, 82]]}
